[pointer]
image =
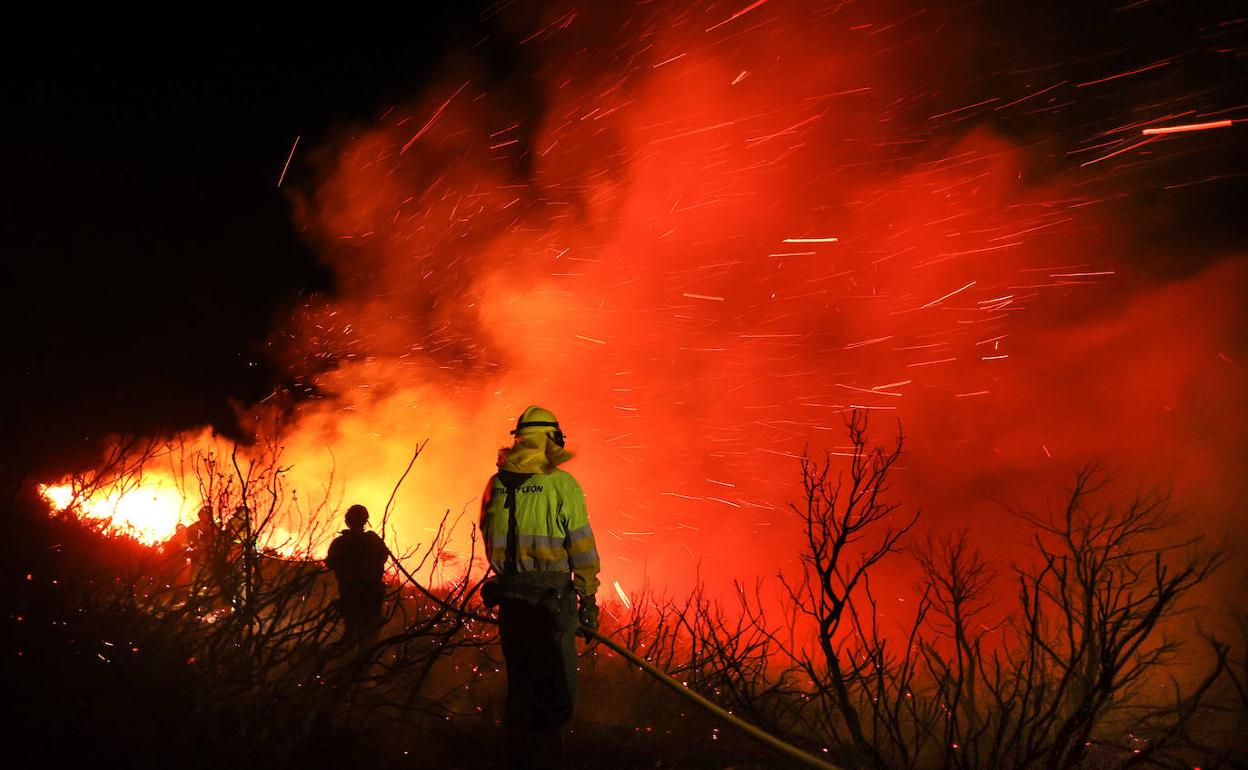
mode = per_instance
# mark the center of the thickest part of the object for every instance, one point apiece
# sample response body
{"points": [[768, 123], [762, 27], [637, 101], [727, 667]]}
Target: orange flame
{"points": [[148, 512]]}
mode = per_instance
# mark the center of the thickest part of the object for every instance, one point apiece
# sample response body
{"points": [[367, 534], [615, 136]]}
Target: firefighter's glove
{"points": [[490, 593], [588, 615]]}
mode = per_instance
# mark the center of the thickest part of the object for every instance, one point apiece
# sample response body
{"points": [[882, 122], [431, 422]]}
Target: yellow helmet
{"points": [[535, 419]]}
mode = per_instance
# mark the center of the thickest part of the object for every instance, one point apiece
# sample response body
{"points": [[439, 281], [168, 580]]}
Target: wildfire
{"points": [[702, 256], [149, 511]]}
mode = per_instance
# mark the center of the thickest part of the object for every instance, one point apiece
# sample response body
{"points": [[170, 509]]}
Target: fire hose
{"points": [[753, 731]]}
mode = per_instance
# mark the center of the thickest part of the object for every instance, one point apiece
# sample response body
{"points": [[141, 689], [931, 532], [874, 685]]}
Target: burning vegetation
{"points": [[1067, 672]]}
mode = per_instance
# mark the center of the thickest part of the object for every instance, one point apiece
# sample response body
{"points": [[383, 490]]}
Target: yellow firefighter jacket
{"points": [[535, 525]]}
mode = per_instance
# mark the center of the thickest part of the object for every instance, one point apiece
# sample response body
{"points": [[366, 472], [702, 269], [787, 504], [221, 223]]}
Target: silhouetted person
{"points": [[178, 558], [208, 551], [241, 546], [358, 559], [539, 543]]}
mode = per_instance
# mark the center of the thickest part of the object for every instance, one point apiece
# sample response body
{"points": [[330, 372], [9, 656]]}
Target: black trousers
{"points": [[361, 614], [539, 647]]}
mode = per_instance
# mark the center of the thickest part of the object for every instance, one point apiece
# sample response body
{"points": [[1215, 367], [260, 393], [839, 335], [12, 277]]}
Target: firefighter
{"points": [[358, 560], [208, 554], [241, 544], [539, 544]]}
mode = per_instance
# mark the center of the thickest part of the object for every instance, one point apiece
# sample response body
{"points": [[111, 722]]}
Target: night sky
{"points": [[148, 247]]}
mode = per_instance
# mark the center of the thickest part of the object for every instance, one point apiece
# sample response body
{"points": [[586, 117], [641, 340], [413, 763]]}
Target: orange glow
{"points": [[148, 512], [293, 519]]}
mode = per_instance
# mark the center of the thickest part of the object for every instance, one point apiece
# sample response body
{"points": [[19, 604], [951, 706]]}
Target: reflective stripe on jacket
{"points": [[552, 531]]}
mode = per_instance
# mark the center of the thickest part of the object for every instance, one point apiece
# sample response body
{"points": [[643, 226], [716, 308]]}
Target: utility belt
{"points": [[549, 591], [559, 581], [362, 589]]}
